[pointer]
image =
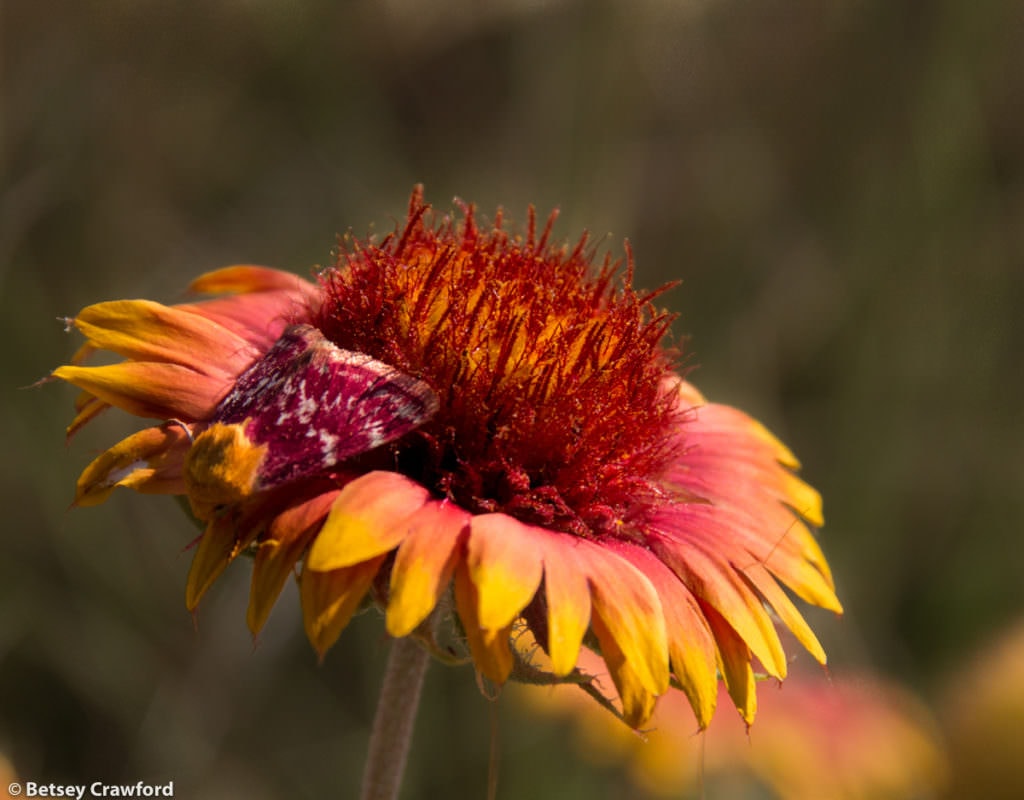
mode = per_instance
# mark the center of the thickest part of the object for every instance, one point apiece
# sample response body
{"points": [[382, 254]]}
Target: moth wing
{"points": [[314, 405]]}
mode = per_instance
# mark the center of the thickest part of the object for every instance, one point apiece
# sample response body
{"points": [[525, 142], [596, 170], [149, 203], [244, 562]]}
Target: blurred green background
{"points": [[839, 185]]}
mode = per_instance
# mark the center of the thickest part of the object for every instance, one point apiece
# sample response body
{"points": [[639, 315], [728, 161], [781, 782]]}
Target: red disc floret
{"points": [[555, 390]]}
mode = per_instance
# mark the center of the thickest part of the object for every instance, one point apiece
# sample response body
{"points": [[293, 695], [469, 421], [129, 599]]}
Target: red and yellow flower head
{"points": [[461, 412]]}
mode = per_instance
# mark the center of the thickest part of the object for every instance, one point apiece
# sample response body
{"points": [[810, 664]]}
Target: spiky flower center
{"points": [[552, 379]]}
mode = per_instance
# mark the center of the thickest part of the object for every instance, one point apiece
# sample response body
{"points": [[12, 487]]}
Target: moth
{"points": [[306, 406]]}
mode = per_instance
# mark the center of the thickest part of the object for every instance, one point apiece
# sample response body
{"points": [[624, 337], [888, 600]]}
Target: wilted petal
{"points": [[223, 540], [149, 461]]}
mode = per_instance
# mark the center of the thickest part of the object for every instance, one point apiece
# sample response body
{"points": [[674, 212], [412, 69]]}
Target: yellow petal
{"points": [[803, 498], [631, 611], [244, 278], [694, 655], [489, 648], [505, 564], [568, 599], [776, 539], [793, 555], [87, 408], [691, 646], [689, 395], [150, 389], [637, 699], [149, 461], [146, 331], [224, 538], [737, 672], [809, 583], [329, 599], [716, 583], [274, 562], [783, 606], [288, 536], [424, 564], [369, 518], [215, 551]]}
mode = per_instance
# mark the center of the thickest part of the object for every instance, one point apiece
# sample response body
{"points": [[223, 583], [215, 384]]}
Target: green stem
{"points": [[393, 723]]}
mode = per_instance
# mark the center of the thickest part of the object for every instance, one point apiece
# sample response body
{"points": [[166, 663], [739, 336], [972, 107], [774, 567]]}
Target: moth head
{"points": [[222, 468]]}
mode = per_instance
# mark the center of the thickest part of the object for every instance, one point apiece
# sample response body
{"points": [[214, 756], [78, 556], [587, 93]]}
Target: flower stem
{"points": [[393, 723]]}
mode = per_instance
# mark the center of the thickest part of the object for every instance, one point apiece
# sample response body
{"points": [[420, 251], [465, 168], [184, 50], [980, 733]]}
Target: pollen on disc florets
{"points": [[555, 403]]}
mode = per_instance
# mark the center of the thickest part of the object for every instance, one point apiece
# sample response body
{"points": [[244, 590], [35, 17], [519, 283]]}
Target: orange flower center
{"points": [[554, 403]]}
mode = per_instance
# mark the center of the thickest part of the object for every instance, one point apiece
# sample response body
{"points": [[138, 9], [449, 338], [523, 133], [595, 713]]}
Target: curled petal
{"points": [[370, 517], [87, 408], [149, 461]]}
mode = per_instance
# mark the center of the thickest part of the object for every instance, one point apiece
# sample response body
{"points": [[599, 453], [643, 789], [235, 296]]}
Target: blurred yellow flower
{"points": [[984, 717], [850, 739]]}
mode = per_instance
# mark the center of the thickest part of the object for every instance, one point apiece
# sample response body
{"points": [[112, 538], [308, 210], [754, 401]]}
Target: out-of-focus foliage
{"points": [[840, 185]]}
